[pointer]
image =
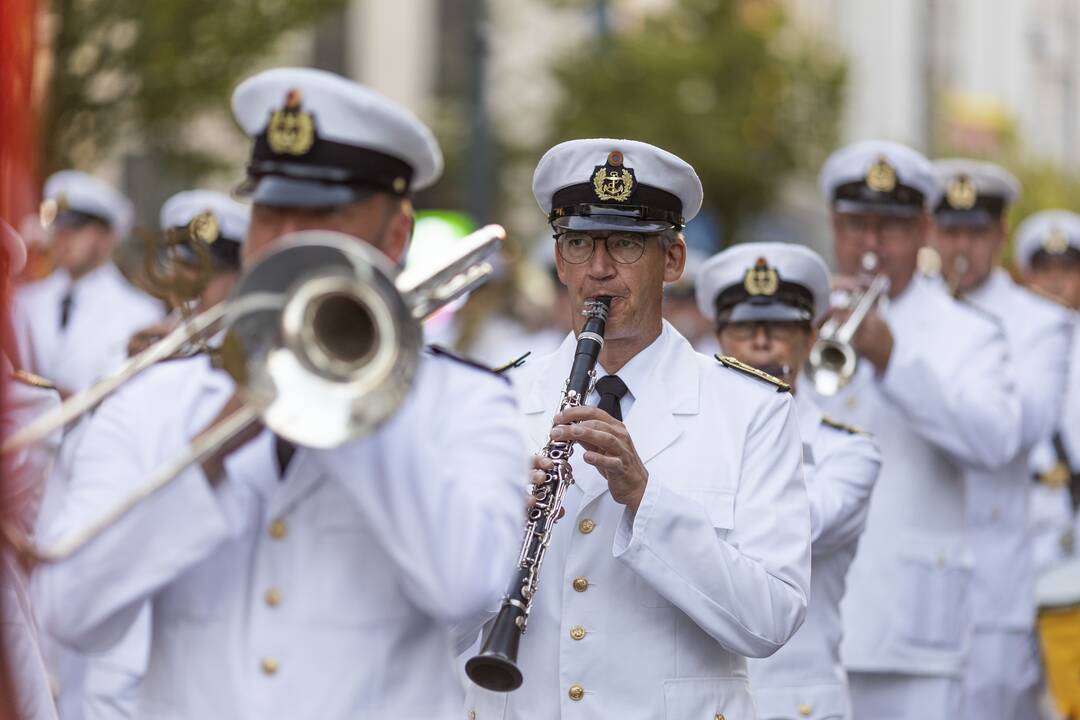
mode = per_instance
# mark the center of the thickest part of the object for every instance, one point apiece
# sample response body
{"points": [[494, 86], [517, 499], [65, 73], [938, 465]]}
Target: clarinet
{"points": [[495, 668]]}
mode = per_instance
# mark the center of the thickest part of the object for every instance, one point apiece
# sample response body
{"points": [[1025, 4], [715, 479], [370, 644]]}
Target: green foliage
{"points": [[145, 68], [725, 84]]}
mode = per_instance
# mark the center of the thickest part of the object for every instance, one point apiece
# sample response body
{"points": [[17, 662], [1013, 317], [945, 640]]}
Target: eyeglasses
{"points": [[782, 331], [888, 228], [578, 247]]}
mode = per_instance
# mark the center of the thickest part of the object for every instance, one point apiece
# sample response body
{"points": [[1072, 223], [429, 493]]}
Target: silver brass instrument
{"points": [[833, 360], [322, 338], [495, 668]]}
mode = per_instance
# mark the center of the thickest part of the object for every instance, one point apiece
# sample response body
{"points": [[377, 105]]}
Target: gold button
{"points": [[472, 715], [269, 666], [581, 584], [277, 529], [576, 692], [719, 716], [805, 710], [273, 597], [586, 526], [577, 632]]}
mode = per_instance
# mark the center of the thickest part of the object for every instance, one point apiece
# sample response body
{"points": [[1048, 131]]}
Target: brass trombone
{"points": [[322, 338], [833, 360]]}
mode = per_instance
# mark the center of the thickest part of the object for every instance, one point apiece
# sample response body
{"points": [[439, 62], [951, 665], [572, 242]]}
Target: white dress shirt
{"points": [[326, 593], [805, 678], [945, 403], [105, 311], [652, 615]]}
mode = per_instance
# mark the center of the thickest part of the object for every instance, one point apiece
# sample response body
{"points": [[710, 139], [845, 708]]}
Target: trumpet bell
{"points": [[320, 340], [830, 366]]}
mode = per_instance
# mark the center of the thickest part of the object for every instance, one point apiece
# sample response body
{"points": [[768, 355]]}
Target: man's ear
{"points": [[399, 230], [675, 261]]}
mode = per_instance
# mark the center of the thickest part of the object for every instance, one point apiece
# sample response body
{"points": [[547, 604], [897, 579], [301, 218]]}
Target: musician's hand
{"points": [[537, 476], [874, 341], [608, 448], [214, 466], [149, 335]]}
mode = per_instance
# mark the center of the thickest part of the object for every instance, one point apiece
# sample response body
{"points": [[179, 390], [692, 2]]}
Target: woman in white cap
{"points": [[288, 581], [73, 325], [766, 301]]}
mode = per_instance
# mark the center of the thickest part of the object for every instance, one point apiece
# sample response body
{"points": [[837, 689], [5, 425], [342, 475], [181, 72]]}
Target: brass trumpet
{"points": [[833, 360], [322, 338]]}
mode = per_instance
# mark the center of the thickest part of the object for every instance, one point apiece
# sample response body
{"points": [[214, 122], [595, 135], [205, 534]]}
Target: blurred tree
{"points": [[145, 68], [726, 84]]}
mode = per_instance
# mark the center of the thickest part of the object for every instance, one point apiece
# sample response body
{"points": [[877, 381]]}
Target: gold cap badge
{"points": [[51, 208], [881, 177], [1055, 241], [761, 279], [291, 130], [204, 227], [961, 193], [613, 181]]}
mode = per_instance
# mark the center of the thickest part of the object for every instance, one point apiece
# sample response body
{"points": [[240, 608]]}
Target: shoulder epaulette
{"points": [[443, 352], [28, 378], [730, 362], [512, 364], [837, 425]]}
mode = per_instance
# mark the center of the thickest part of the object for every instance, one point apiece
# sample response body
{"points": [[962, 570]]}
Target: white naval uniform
{"points": [[652, 615], [1003, 671], [328, 593], [106, 310], [1056, 525], [945, 402], [23, 484], [805, 678]]}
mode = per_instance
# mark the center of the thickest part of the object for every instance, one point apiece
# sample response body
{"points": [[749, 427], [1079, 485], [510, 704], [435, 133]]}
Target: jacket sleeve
{"points": [[840, 492], [444, 489], [1042, 373], [968, 409], [736, 562], [161, 537]]}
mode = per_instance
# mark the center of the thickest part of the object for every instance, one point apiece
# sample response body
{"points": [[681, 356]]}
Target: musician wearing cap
{"points": [[933, 383], [685, 543], [204, 234], [972, 198], [287, 581], [25, 396], [766, 301], [72, 326], [1047, 251]]}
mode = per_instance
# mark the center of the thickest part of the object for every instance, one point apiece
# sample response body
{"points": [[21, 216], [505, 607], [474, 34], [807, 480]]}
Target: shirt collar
{"points": [[637, 371]]}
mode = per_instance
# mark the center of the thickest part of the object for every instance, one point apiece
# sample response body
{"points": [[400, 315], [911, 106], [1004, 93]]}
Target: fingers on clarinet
{"points": [[537, 477]]}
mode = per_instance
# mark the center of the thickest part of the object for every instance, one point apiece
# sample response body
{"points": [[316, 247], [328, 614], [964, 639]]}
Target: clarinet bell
{"points": [[495, 668]]}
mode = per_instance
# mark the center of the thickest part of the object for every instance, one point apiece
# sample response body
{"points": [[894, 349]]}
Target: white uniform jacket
{"points": [[106, 310], [328, 593], [23, 482], [1056, 524], [1038, 333], [652, 615], [805, 678], [945, 402]]}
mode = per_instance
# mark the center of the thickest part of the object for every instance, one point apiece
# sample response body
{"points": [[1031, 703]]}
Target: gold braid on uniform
{"points": [[730, 362], [28, 378], [837, 425]]}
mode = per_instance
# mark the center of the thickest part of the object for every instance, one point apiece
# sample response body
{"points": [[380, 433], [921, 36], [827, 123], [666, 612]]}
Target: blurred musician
{"points": [[934, 385], [1001, 680]]}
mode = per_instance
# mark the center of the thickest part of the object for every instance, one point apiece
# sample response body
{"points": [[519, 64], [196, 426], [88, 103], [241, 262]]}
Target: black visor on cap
{"points": [[648, 205], [281, 191], [974, 218], [225, 251], [70, 219], [858, 197], [791, 301], [1042, 259]]}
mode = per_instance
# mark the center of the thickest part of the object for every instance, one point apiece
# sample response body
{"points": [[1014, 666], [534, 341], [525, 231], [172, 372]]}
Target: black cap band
{"points": [[986, 208], [645, 203], [855, 194], [788, 294], [70, 219], [1043, 259], [332, 163]]}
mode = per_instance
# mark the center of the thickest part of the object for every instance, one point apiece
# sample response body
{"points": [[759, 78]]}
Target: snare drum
{"points": [[1057, 593]]}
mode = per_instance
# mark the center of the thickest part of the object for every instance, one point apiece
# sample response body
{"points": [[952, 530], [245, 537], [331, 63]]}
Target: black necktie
{"points": [[284, 451], [65, 310], [611, 390]]}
